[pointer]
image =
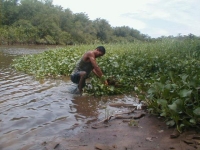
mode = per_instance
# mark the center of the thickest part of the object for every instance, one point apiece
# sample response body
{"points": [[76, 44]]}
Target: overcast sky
{"points": [[152, 17]]}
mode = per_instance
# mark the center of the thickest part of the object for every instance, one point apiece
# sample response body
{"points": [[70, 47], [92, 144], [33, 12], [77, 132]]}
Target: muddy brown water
{"points": [[32, 111]]}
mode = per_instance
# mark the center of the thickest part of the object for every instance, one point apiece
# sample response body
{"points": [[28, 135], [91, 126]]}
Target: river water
{"points": [[33, 111]]}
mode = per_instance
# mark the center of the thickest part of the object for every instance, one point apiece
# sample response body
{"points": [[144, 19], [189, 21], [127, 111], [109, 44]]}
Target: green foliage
{"points": [[51, 63], [25, 32], [40, 22], [165, 74]]}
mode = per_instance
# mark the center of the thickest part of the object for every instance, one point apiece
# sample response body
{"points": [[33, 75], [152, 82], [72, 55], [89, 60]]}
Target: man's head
{"points": [[101, 51]]}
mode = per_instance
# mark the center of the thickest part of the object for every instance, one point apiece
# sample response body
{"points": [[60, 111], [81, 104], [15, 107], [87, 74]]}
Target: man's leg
{"points": [[79, 78], [81, 83]]}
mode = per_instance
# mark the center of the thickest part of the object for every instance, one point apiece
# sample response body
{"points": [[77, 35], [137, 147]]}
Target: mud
{"points": [[149, 133]]}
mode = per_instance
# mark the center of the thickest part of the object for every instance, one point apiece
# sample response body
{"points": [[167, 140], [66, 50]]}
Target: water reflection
{"points": [[86, 106], [29, 108]]}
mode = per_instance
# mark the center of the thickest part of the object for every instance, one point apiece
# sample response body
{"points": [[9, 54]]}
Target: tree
{"points": [[1, 11], [9, 12], [39, 21], [26, 32], [104, 30]]}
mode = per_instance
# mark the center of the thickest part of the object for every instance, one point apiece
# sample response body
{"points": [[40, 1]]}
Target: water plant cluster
{"points": [[165, 74]]}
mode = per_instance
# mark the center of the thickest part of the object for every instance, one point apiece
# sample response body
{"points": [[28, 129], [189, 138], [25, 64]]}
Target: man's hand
{"points": [[106, 82]]}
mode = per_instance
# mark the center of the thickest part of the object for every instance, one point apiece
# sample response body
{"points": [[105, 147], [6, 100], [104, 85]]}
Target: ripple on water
{"points": [[32, 112]]}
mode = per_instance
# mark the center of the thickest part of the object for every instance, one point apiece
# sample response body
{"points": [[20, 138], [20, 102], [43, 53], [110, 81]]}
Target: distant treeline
{"points": [[41, 22]]}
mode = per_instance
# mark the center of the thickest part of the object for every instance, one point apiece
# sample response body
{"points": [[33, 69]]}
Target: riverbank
{"points": [[150, 133]]}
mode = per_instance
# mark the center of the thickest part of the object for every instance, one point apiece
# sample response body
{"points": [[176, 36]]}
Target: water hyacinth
{"points": [[165, 74]]}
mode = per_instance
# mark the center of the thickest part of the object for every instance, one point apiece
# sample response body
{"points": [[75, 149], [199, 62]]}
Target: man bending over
{"points": [[85, 65]]}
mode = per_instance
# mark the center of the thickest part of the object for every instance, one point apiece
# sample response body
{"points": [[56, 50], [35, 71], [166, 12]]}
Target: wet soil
{"points": [[149, 133]]}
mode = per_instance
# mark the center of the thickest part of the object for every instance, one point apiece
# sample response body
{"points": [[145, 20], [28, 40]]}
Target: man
{"points": [[84, 66]]}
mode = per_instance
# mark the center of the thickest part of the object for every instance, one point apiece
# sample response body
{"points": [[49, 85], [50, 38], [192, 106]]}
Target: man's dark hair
{"points": [[101, 49]]}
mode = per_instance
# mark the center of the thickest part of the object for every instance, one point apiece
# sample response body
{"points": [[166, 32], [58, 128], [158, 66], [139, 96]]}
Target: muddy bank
{"points": [[149, 133]]}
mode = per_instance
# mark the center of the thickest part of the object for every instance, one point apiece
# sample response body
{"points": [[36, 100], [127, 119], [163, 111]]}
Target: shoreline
{"points": [[150, 134]]}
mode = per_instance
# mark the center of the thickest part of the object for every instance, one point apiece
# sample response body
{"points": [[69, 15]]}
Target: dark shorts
{"points": [[75, 78]]}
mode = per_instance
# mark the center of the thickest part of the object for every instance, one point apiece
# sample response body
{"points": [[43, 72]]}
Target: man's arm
{"points": [[97, 71], [105, 82], [94, 71]]}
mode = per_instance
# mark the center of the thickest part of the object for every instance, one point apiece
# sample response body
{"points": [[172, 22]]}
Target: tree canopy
{"points": [[41, 22]]}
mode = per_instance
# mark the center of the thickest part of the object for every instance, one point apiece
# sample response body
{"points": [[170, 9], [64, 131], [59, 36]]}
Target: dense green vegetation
{"points": [[41, 22], [164, 74]]}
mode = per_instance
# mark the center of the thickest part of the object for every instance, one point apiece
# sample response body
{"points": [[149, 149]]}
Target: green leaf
{"points": [[192, 121], [151, 91], [179, 102], [111, 88], [184, 77], [170, 123], [182, 125], [168, 86], [173, 106], [115, 64], [185, 93], [162, 102], [197, 111], [163, 114], [174, 86]]}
